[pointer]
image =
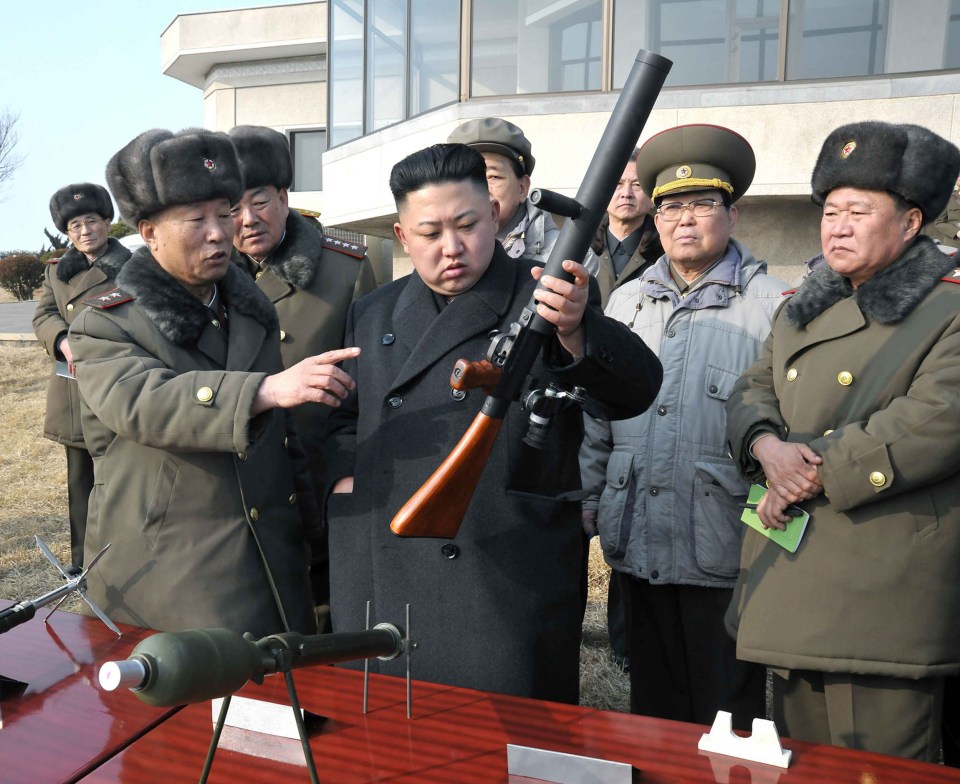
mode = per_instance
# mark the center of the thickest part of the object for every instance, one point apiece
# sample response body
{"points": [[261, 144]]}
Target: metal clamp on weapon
{"points": [[76, 582], [543, 405], [438, 507]]}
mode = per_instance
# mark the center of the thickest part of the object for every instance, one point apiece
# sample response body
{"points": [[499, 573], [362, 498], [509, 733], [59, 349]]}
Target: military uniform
{"points": [[860, 623], [67, 282]]}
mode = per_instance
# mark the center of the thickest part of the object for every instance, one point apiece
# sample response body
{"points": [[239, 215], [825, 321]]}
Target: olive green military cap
{"points": [[696, 158], [491, 134]]}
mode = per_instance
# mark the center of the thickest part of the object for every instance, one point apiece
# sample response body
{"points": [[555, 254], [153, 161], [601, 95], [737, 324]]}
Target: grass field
{"points": [[33, 502]]}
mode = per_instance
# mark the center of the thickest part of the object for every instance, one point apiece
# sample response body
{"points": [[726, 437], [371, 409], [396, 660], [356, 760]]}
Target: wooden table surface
{"points": [[63, 725], [459, 736], [63, 728]]}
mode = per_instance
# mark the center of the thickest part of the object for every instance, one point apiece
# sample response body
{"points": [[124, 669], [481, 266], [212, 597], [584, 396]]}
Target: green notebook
{"points": [[789, 539]]}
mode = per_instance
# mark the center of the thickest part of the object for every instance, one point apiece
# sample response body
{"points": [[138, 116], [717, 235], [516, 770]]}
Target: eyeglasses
{"points": [[701, 208], [88, 223]]}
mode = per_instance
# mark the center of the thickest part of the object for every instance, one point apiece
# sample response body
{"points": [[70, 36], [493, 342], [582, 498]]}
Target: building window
{"points": [[951, 51], [434, 54], [307, 149], [390, 60], [386, 57], [830, 38], [709, 41], [345, 79], [577, 46], [535, 46]]}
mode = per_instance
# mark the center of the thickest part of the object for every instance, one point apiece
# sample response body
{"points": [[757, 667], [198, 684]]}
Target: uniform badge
{"points": [[953, 277], [847, 150], [350, 248], [209, 164], [77, 196], [109, 299], [683, 172]]}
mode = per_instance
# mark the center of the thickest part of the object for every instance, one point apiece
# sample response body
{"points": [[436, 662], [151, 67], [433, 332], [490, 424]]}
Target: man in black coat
{"points": [[498, 606]]}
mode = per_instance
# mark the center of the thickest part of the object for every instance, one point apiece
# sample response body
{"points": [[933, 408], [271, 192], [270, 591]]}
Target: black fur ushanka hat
{"points": [[159, 169], [264, 156], [908, 160], [79, 199]]}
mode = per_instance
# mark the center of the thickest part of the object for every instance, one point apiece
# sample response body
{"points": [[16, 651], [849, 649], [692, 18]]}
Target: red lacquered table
{"points": [[458, 736], [62, 726]]}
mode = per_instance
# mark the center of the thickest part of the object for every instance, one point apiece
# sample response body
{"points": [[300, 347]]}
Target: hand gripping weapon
{"points": [[438, 507]]}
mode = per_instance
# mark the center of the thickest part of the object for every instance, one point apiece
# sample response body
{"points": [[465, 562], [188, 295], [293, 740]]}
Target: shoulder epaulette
{"points": [[788, 292], [952, 278], [350, 248], [109, 299], [53, 260]]}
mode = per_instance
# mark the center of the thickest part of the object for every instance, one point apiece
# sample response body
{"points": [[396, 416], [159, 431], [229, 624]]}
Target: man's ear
{"points": [[398, 233]]}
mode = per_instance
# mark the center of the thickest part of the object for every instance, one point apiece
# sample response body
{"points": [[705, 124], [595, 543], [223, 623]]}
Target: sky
{"points": [[84, 78]]}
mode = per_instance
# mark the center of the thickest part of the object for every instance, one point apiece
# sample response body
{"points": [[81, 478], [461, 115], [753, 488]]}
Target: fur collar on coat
{"points": [[111, 260], [178, 315], [296, 259], [887, 298]]}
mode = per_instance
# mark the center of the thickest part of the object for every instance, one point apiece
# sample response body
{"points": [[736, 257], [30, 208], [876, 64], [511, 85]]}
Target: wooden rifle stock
{"points": [[437, 508]]}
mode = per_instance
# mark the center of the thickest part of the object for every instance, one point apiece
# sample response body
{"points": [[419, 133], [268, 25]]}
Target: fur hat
{"points": [[264, 156], [159, 169], [491, 134], [907, 160], [79, 199]]}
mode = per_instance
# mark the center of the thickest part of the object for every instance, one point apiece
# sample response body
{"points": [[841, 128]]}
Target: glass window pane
{"points": [[386, 55], [535, 46], [951, 52], [434, 54], [307, 149], [829, 38], [345, 115], [709, 41]]}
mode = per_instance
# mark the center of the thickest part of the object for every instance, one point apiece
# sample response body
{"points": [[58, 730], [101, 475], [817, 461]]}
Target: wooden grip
{"points": [[469, 375], [438, 507]]}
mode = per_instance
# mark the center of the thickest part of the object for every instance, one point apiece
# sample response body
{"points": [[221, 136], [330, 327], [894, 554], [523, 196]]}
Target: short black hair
{"points": [[436, 165]]}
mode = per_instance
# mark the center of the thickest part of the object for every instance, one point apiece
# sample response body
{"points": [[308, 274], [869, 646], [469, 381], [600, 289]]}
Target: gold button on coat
{"points": [[70, 306], [845, 377], [283, 335], [254, 514], [827, 432], [792, 374], [216, 323], [204, 394], [259, 275], [242, 456], [877, 479], [293, 498]]}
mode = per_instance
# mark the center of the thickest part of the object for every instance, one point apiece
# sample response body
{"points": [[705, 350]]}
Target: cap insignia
{"points": [[77, 196], [209, 164], [683, 172], [847, 149]]}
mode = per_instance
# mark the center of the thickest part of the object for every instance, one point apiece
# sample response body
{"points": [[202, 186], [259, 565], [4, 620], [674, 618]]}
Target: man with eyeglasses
{"points": [[661, 488], [82, 211], [311, 278]]}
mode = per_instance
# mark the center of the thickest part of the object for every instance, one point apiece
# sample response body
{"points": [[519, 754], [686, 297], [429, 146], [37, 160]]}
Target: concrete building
{"points": [[369, 81]]}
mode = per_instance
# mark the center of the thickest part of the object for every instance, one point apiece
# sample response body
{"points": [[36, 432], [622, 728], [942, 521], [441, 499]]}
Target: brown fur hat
{"points": [[79, 199], [908, 160], [159, 169], [264, 156]]}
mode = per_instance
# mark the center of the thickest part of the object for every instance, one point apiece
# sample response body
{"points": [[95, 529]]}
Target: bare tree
{"points": [[9, 160]]}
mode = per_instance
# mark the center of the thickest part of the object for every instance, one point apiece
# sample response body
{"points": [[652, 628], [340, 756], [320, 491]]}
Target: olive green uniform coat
{"points": [[871, 381], [197, 499], [67, 282]]}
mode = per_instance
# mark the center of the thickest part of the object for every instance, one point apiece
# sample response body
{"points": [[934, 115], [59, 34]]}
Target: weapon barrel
{"points": [[175, 668]]}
